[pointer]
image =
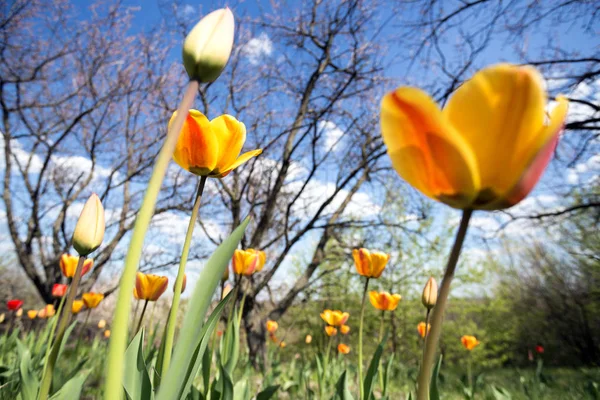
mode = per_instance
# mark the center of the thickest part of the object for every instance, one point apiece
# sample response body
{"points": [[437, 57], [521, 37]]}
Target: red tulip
{"points": [[539, 349], [14, 304], [59, 290]]}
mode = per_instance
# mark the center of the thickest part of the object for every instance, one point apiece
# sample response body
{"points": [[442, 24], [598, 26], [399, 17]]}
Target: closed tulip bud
{"points": [[344, 329], [423, 329], [149, 287], [207, 47], [31, 314], [2, 317], [282, 344], [107, 333], [370, 263], [183, 285], [308, 339], [14, 305], [92, 300], [225, 275], [19, 313], [101, 324], [430, 293], [330, 330], [89, 231]]}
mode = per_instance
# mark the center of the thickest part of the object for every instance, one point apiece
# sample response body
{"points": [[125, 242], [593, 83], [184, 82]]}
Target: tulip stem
{"points": [[379, 369], [113, 387], [87, 317], [171, 322], [139, 325], [62, 327], [426, 332], [360, 341], [438, 312]]}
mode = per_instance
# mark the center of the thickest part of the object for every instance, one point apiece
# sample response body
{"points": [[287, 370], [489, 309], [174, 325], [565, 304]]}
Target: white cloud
{"points": [[258, 48], [331, 132]]}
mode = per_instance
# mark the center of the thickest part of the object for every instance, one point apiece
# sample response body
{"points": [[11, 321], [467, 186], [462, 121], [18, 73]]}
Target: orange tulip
{"points": [[247, 262], [384, 301], [469, 342], [486, 149], [343, 348], [308, 339], [273, 338], [344, 329], [211, 148], [31, 314], [335, 318], [282, 344], [77, 306], [272, 326], [149, 287], [68, 265], [107, 333], [369, 264], [47, 311], [59, 290], [330, 330], [91, 300], [422, 330]]}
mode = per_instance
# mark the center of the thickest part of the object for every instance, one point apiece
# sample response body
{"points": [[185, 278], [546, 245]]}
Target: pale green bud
{"points": [[430, 294], [89, 231], [207, 47]]}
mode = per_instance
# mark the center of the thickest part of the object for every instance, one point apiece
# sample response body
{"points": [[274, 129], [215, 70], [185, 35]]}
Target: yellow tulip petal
{"points": [[240, 160], [498, 112], [231, 135], [197, 148], [425, 150]]}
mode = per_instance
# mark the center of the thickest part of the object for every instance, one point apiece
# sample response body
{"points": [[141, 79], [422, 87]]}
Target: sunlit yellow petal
{"points": [[231, 135], [197, 148], [239, 161]]}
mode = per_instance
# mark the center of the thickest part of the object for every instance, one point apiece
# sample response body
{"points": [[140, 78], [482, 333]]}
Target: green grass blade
{"points": [[342, 391], [29, 383], [136, 380], [71, 389], [369, 382], [434, 392]]}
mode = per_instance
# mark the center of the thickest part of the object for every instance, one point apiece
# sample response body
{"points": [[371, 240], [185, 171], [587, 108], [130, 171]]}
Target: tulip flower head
{"points": [[102, 324], [107, 333], [368, 263], [47, 312], [2, 317], [539, 349], [211, 148], [149, 287], [19, 313], [92, 300], [343, 348], [335, 318], [308, 339], [31, 314], [486, 149], [207, 47], [247, 262], [77, 306], [282, 344], [59, 289], [225, 276], [68, 265], [384, 300], [344, 329], [423, 329], [89, 231], [330, 330], [430, 293], [183, 285], [14, 304], [272, 326], [469, 342]]}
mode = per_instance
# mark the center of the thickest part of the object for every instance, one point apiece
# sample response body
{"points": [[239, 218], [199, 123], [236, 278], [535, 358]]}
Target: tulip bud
{"points": [[430, 293], [107, 333], [19, 313], [308, 339], [89, 231], [2, 317], [225, 277], [101, 324], [207, 47]]}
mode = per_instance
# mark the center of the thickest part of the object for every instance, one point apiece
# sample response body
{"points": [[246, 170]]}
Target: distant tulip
{"points": [[68, 265], [539, 349], [469, 342], [273, 338], [2, 317], [343, 348], [308, 339], [59, 289], [14, 305], [207, 47], [370, 264], [335, 318], [486, 149], [344, 329], [330, 330], [183, 285], [19, 313], [423, 329], [77, 306], [92, 300], [89, 231], [430, 293], [150, 287], [47, 312], [107, 333], [247, 262], [211, 148], [101, 324], [31, 314], [384, 300], [225, 276], [272, 326], [282, 344]]}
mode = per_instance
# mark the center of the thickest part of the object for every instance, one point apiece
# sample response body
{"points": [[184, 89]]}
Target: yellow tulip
{"points": [[77, 306], [330, 330], [149, 287], [423, 329], [335, 318], [91, 300], [430, 293], [101, 324], [247, 262], [68, 265], [344, 329], [384, 301], [486, 149], [272, 326], [89, 230], [469, 342], [107, 333], [282, 344], [370, 264], [47, 311], [19, 313], [211, 148], [343, 348], [31, 314], [308, 339]]}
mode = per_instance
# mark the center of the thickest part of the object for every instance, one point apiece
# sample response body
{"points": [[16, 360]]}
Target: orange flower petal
{"points": [[197, 148]]}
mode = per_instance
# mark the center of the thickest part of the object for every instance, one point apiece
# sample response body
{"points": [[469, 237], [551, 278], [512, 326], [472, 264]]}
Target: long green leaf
{"points": [[386, 375], [241, 391], [173, 379], [226, 385], [342, 392], [29, 383], [71, 389], [136, 380], [230, 346], [373, 367], [434, 392]]}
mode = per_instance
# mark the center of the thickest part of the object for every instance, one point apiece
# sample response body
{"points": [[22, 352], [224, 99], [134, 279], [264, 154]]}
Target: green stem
{"points": [[470, 375], [360, 340], [240, 314], [426, 332], [139, 325], [380, 370], [151, 329], [62, 327], [87, 316], [113, 388], [438, 311], [238, 283], [172, 321]]}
